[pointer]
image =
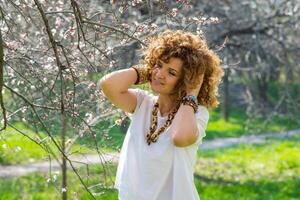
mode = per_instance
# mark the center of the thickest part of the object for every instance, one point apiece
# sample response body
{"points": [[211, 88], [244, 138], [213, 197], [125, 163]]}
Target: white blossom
{"points": [[23, 110], [54, 177], [174, 12], [89, 116], [135, 2], [18, 149], [118, 122], [121, 9], [17, 2], [111, 64]]}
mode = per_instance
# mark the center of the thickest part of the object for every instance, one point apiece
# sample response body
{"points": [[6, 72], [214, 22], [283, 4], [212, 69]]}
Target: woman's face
{"points": [[166, 75]]}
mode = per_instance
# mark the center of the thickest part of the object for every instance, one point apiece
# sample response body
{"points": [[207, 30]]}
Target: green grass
{"points": [[16, 148], [218, 127], [44, 186], [238, 124], [109, 136], [277, 158], [260, 190], [251, 172], [246, 172]]}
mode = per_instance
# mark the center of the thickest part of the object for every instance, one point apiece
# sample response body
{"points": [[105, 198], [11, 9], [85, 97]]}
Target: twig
{"points": [[114, 29], [1, 83]]}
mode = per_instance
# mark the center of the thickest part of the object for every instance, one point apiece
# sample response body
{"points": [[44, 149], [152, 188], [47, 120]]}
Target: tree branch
{"points": [[1, 83]]}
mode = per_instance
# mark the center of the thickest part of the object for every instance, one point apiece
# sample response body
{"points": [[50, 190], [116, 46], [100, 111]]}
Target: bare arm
{"points": [[115, 87], [185, 130]]}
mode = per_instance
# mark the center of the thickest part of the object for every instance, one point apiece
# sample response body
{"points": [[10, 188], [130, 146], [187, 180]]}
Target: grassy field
{"points": [[238, 124], [16, 148], [268, 171], [247, 172]]}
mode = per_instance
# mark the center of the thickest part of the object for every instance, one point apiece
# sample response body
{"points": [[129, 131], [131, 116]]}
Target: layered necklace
{"points": [[153, 134]]}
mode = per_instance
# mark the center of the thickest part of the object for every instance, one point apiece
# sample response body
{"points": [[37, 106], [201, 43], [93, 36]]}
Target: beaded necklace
{"points": [[153, 134]]}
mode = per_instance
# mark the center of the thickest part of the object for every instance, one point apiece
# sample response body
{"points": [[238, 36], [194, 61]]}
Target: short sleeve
{"points": [[202, 117], [140, 95]]}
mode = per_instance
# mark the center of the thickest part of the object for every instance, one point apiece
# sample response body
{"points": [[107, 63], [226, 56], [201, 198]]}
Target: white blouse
{"points": [[160, 171]]}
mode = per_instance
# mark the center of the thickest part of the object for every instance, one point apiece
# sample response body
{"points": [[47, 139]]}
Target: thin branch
{"points": [[1, 83], [232, 66], [114, 29], [57, 12], [150, 8], [45, 147], [49, 33], [27, 101]]}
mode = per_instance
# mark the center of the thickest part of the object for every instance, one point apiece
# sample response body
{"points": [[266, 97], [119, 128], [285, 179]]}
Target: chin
{"points": [[154, 89], [158, 89]]}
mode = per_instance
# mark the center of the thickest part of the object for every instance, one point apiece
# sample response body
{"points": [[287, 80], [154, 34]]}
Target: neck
{"points": [[166, 104]]}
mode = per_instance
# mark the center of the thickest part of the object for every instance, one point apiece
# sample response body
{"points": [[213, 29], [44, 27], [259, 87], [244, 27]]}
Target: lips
{"points": [[157, 82]]}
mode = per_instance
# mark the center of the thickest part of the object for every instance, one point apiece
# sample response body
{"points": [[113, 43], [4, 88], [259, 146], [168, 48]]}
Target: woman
{"points": [[159, 151]]}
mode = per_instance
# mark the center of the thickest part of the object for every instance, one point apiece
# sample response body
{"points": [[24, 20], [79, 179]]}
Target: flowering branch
{"points": [[1, 84]]}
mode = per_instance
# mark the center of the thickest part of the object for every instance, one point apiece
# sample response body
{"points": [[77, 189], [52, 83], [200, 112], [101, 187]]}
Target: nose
{"points": [[160, 74]]}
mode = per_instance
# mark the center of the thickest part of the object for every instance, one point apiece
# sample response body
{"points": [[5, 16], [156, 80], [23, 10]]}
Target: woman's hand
{"points": [[195, 91]]}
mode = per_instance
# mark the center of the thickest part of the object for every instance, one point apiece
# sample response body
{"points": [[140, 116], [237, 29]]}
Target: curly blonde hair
{"points": [[198, 61]]}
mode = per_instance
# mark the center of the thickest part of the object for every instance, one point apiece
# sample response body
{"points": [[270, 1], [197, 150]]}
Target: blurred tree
{"points": [[262, 36]]}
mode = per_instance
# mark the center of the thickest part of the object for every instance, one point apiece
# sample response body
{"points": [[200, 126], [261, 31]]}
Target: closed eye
{"points": [[173, 74]]}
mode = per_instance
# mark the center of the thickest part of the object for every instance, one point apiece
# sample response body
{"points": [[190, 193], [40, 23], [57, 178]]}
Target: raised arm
{"points": [[115, 87]]}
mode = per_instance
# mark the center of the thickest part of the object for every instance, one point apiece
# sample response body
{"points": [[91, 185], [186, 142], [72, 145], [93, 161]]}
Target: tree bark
{"points": [[225, 106], [1, 83]]}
